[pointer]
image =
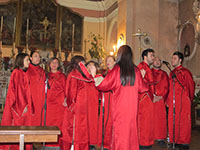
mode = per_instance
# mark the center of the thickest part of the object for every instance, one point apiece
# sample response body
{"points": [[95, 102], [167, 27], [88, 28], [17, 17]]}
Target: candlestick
{"points": [[1, 24], [60, 35], [27, 36], [73, 29], [14, 27], [1, 35]]}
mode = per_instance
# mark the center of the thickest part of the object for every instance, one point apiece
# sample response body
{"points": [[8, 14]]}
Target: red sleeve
{"points": [[148, 79], [85, 71], [142, 86], [190, 84], [63, 82], [16, 100], [71, 91], [165, 80], [110, 81]]}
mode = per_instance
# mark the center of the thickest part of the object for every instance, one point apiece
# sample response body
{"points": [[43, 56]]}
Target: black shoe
{"points": [[184, 147], [161, 143], [145, 147], [92, 147], [170, 146]]}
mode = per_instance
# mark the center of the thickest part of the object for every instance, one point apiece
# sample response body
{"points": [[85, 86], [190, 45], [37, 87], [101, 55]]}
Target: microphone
{"points": [[164, 62]]}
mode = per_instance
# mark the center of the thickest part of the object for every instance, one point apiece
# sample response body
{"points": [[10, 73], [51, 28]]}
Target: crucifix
{"points": [[140, 34], [45, 23]]}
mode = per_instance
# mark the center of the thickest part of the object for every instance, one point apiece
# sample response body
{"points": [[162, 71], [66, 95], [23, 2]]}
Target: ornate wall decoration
{"points": [[36, 11], [43, 31], [187, 42], [69, 18], [8, 12]]}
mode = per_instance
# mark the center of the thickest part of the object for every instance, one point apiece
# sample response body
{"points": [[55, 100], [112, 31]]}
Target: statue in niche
{"points": [[187, 50], [196, 7]]}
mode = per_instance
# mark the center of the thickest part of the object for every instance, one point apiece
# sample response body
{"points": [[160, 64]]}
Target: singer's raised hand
{"points": [[143, 72], [92, 70]]}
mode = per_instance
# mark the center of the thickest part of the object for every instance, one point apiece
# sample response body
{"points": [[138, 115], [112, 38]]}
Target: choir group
{"points": [[122, 107]]}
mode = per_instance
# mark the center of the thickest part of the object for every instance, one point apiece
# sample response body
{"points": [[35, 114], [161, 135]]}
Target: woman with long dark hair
{"points": [[18, 107], [75, 122], [55, 96], [37, 78], [126, 82]]}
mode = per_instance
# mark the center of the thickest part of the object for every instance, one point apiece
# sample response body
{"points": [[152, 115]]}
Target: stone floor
{"points": [[195, 141]]}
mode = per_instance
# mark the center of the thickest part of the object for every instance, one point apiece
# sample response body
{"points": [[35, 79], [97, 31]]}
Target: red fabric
{"points": [[75, 122], [161, 88], [36, 77], [107, 117], [183, 99], [55, 99], [93, 103], [107, 121], [145, 113], [18, 98], [124, 109]]}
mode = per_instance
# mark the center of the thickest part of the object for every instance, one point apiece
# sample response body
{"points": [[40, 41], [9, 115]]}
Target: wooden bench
{"points": [[28, 134]]}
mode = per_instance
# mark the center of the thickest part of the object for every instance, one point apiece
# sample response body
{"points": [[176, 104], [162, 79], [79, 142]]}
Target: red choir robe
{"points": [[18, 107], [37, 77], [107, 120], [93, 105], [145, 112], [75, 123], [161, 88], [124, 109], [183, 99], [55, 99]]}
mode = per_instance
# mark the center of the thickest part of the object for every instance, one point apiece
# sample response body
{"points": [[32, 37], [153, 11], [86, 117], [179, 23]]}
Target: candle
{"points": [[60, 35], [1, 24], [14, 26], [27, 24], [73, 29], [1, 32]]}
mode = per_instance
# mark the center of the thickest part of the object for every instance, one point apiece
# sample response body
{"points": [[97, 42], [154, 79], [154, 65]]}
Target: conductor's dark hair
{"points": [[19, 61], [127, 67], [146, 51], [180, 55], [74, 64]]}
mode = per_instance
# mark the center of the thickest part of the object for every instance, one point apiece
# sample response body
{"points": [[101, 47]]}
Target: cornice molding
{"points": [[89, 5], [93, 19]]}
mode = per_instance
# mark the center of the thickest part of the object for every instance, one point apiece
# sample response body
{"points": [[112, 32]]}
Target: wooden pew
{"points": [[28, 134]]}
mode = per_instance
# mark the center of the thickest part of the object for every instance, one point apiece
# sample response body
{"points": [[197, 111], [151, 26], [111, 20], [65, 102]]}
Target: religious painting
{"points": [[8, 12], [68, 19], [39, 24], [187, 39]]}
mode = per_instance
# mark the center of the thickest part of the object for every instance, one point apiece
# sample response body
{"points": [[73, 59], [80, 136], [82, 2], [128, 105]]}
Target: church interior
{"points": [[65, 28]]}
